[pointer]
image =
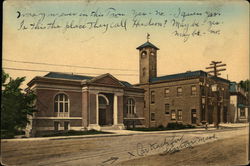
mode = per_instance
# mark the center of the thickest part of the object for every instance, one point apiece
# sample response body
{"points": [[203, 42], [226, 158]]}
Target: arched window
{"points": [[103, 101], [61, 103], [131, 106], [143, 54]]}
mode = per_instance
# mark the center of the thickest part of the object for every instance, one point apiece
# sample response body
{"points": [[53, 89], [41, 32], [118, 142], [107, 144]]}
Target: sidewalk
{"points": [[128, 133]]}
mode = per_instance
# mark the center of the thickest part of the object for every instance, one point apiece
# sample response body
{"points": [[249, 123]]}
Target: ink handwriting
{"points": [[180, 23]]}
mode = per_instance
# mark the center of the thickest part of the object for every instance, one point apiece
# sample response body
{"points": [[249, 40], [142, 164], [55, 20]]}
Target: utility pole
{"points": [[215, 68]]}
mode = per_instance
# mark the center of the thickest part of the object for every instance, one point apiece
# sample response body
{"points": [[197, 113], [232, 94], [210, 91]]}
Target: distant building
{"points": [[75, 102], [238, 103], [190, 97]]}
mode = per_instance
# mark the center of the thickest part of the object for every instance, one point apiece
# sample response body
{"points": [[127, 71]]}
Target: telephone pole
{"points": [[215, 68]]}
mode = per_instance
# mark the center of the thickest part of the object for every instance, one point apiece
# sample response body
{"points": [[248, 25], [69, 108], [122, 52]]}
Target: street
{"points": [[119, 150]]}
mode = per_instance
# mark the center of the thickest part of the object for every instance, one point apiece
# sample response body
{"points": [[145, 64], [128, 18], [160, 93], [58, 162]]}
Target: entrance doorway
{"points": [[103, 105], [193, 116]]}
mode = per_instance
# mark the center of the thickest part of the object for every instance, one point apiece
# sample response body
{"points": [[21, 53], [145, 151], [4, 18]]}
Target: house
{"points": [[190, 97], [238, 103], [76, 102]]}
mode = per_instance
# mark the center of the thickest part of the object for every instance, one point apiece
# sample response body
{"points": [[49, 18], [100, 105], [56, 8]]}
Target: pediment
{"points": [[107, 79]]}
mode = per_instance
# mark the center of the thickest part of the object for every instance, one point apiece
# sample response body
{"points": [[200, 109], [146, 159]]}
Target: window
{"points": [[193, 90], [144, 72], [242, 112], [143, 54], [61, 103], [66, 125], [179, 91], [152, 116], [131, 106], [173, 115], [179, 114], [203, 100], [202, 91], [167, 107], [152, 96], [166, 92], [56, 126]]}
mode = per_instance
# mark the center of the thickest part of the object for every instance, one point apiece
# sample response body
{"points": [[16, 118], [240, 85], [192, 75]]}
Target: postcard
{"points": [[140, 83]]}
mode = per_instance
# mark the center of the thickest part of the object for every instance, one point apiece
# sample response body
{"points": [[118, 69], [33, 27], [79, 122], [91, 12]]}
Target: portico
{"points": [[108, 108]]}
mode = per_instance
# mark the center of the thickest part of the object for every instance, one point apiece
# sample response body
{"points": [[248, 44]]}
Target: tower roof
{"points": [[147, 44]]}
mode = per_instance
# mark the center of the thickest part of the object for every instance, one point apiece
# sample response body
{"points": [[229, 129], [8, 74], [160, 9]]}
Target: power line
{"points": [[51, 64], [32, 70]]}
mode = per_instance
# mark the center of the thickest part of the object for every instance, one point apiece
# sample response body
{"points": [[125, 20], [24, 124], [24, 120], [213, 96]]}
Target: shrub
{"points": [[161, 127], [6, 134], [74, 132], [175, 126]]}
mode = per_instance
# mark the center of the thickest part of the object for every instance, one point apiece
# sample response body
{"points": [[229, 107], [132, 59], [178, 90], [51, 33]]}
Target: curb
{"points": [[117, 135]]}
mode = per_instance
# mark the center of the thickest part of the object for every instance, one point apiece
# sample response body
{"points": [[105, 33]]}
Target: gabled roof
{"points": [[82, 77], [147, 44], [106, 79], [67, 76]]}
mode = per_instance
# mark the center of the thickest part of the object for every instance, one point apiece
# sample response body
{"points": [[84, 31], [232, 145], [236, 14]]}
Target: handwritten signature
{"points": [[167, 146]]}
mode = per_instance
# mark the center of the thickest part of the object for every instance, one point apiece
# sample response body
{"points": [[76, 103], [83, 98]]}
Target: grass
{"points": [[73, 132], [170, 126]]}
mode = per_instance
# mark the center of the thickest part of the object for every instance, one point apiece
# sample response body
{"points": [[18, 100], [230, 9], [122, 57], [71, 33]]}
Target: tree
{"points": [[16, 105], [245, 84]]}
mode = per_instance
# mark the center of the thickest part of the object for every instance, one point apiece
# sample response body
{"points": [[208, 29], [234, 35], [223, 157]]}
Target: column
{"points": [[97, 108], [222, 113], [115, 110], [93, 111]]}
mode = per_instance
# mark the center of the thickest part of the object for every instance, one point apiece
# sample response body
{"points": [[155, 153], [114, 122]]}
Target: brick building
{"points": [[75, 102], [238, 103], [190, 97]]}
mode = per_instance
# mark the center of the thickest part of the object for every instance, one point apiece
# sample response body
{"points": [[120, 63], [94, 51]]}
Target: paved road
{"points": [[107, 150]]}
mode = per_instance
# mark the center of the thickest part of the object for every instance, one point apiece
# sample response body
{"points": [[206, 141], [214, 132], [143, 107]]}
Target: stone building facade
{"points": [[190, 97], [75, 102]]}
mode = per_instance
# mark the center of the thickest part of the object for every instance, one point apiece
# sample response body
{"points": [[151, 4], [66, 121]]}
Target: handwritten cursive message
{"points": [[175, 144], [167, 146], [177, 22]]}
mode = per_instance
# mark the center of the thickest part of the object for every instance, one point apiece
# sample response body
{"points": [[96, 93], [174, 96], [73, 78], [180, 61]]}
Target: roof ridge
{"points": [[182, 73], [68, 74]]}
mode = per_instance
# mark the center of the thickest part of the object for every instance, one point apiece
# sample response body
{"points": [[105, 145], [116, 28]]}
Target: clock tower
{"points": [[148, 61]]}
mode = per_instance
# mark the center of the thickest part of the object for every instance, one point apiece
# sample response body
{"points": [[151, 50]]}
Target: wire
{"points": [[51, 64], [19, 69]]}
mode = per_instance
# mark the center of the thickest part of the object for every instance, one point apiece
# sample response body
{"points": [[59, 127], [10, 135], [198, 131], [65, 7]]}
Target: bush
{"points": [[176, 126], [170, 126], [6, 134], [74, 132], [161, 127]]}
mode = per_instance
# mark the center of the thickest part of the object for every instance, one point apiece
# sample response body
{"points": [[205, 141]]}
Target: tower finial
{"points": [[148, 35]]}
